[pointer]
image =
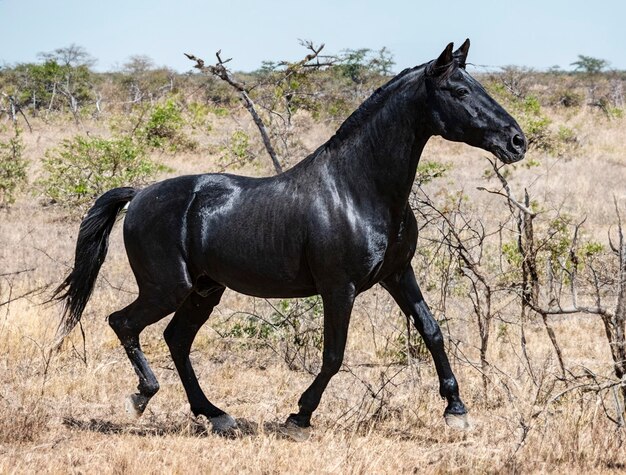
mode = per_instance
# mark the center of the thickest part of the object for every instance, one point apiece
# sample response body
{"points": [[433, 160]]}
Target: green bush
{"points": [[84, 167], [12, 168], [554, 243], [163, 129], [237, 152], [294, 325], [296, 320], [199, 116], [428, 170]]}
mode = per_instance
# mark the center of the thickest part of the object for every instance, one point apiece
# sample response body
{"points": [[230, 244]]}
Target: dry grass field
{"points": [[63, 412]]}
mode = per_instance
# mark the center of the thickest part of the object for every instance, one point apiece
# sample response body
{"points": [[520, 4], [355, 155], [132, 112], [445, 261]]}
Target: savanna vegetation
{"points": [[523, 265]]}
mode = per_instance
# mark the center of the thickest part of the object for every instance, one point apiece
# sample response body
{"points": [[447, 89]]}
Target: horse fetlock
{"points": [[148, 389], [449, 389]]}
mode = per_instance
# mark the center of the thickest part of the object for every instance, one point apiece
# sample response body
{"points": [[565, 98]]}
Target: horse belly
{"points": [[270, 289], [253, 264], [258, 280]]}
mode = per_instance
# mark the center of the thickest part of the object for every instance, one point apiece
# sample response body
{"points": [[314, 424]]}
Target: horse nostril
{"points": [[518, 141]]}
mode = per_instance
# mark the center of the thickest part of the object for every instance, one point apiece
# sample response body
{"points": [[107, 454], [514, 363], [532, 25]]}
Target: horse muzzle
{"points": [[511, 148]]}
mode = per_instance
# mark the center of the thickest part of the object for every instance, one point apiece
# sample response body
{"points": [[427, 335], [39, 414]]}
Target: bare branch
{"points": [[571, 310], [17, 272], [39, 289], [507, 189], [223, 73]]}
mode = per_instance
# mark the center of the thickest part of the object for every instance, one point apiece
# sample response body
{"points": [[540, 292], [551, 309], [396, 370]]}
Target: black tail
{"points": [[91, 249]]}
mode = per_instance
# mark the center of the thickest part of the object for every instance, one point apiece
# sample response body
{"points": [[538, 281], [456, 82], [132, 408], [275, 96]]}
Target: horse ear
{"points": [[461, 53], [444, 58], [442, 63]]}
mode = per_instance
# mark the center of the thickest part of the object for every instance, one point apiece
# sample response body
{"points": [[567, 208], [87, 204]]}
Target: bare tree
{"points": [[221, 71], [560, 293], [528, 249]]}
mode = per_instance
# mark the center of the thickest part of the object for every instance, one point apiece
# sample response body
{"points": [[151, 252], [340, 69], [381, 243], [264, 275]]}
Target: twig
{"points": [[30, 292], [17, 272]]}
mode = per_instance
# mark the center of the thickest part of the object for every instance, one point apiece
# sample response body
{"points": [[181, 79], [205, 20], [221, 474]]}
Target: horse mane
{"points": [[373, 104], [370, 106]]}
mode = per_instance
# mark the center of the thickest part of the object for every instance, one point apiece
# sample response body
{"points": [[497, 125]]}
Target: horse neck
{"points": [[379, 160]]}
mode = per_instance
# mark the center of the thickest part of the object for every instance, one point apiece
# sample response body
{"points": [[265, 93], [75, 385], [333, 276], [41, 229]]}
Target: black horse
{"points": [[335, 224]]}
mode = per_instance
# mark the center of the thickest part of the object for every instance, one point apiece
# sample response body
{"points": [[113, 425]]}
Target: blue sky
{"points": [[531, 33]]}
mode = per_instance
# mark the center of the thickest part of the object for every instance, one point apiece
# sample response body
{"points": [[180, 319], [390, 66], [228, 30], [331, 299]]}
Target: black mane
{"points": [[370, 106]]}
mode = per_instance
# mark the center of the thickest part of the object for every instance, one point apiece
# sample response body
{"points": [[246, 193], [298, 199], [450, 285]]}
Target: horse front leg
{"points": [[337, 310], [404, 289]]}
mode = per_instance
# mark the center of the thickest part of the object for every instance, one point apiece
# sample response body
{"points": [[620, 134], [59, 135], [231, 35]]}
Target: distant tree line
{"points": [[63, 80]]}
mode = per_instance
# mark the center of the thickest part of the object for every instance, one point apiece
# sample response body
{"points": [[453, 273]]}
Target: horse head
{"points": [[462, 111]]}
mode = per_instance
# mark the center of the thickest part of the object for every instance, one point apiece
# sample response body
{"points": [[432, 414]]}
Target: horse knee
{"points": [[332, 363]]}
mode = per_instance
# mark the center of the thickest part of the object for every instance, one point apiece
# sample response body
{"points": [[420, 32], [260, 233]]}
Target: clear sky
{"points": [[535, 33]]}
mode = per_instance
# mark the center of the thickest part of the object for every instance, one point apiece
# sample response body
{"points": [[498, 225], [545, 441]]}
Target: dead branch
{"points": [[17, 272], [509, 194], [454, 227], [15, 108], [220, 70]]}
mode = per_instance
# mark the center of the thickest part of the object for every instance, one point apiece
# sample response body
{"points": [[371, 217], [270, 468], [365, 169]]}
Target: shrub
{"points": [[403, 347], [567, 98], [84, 167], [237, 152], [199, 116], [428, 170], [12, 168], [294, 325], [163, 129]]}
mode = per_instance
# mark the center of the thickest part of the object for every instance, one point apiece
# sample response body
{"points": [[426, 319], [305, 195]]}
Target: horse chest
{"points": [[361, 246]]}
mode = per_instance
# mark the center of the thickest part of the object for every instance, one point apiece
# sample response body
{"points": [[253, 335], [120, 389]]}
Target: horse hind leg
{"points": [[127, 324], [179, 336]]}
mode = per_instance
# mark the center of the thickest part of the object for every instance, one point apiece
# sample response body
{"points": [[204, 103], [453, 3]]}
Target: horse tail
{"points": [[91, 249]]}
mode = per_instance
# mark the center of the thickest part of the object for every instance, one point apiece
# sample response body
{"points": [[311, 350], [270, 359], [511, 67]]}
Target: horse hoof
{"points": [[136, 404], [294, 432], [457, 421], [224, 425]]}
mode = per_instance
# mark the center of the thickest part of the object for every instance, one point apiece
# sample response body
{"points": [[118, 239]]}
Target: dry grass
{"points": [[64, 413]]}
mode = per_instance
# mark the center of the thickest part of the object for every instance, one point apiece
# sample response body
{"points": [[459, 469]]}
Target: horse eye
{"points": [[461, 92]]}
